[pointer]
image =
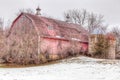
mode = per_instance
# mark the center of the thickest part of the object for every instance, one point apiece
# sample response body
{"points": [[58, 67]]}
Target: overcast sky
{"points": [[109, 8]]}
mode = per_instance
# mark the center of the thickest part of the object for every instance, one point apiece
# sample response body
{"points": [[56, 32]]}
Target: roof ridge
{"points": [[55, 20], [61, 27]]}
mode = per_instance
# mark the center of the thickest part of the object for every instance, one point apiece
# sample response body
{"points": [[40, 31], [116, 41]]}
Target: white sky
{"points": [[109, 8]]}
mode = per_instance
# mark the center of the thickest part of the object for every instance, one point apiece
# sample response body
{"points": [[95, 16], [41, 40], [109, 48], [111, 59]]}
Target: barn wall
{"points": [[23, 41], [22, 25], [57, 48], [23, 29]]}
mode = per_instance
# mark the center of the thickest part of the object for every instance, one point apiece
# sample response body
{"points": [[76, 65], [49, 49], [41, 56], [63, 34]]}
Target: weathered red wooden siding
{"points": [[59, 47], [85, 47], [22, 24]]}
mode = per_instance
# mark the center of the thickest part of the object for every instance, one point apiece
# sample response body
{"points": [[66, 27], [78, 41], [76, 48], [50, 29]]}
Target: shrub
{"points": [[101, 46]]}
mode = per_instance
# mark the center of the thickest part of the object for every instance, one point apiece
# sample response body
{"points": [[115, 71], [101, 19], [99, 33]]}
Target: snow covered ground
{"points": [[80, 68]]}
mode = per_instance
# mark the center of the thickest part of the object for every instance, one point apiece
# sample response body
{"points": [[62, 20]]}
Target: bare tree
{"points": [[25, 10], [2, 38], [116, 32], [84, 18], [20, 47], [1, 24], [101, 46]]}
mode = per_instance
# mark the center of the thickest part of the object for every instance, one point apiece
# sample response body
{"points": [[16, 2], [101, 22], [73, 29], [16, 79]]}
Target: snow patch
{"points": [[76, 70]]}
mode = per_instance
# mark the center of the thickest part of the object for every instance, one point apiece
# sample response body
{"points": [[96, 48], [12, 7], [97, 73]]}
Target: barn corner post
{"points": [[39, 47]]}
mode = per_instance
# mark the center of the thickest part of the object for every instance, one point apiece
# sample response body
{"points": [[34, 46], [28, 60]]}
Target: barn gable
{"points": [[21, 23]]}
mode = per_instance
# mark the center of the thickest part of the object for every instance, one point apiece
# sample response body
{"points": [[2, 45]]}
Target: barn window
{"points": [[50, 27]]}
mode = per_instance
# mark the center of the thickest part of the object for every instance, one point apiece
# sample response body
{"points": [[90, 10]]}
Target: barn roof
{"points": [[59, 29]]}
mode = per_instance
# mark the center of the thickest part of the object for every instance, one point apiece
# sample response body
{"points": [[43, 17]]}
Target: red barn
{"points": [[53, 38]]}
